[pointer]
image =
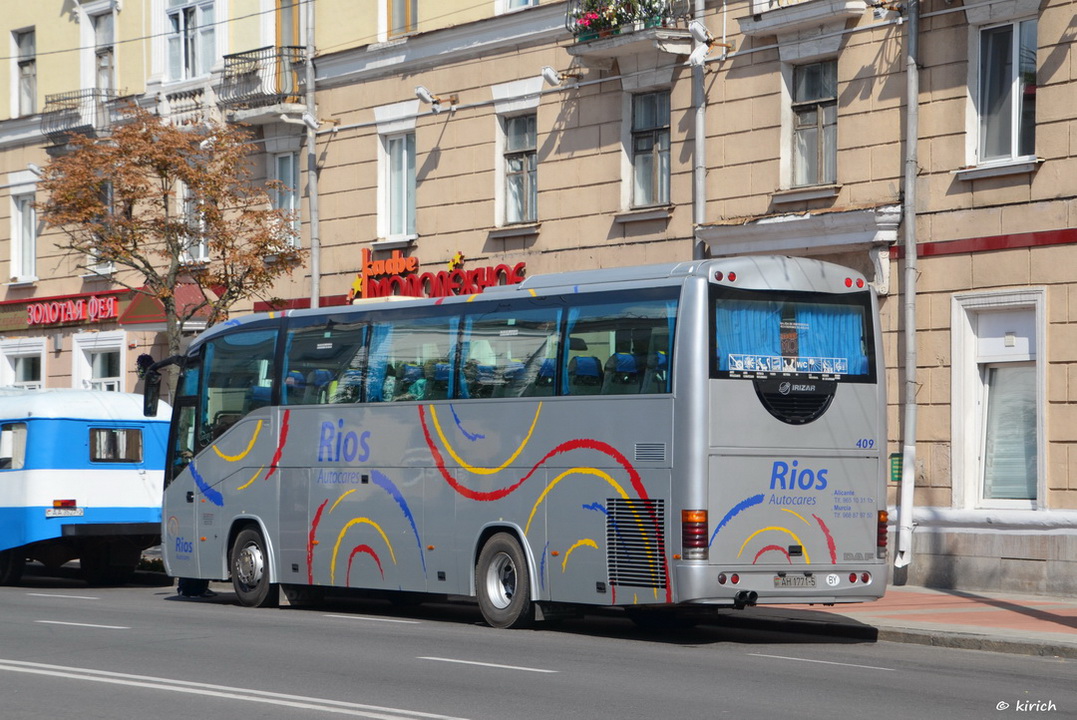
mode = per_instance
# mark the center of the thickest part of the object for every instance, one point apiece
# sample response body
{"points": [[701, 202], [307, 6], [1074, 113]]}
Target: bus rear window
{"points": [[118, 445], [760, 335]]}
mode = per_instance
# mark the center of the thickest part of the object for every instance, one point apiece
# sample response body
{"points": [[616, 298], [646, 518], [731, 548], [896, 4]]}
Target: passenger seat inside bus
{"points": [[584, 375], [622, 375]]}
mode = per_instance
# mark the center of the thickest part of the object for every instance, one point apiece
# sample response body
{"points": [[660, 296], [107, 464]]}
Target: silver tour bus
{"points": [[707, 433]]}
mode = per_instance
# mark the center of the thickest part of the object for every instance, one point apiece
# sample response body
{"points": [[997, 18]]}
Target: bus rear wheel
{"points": [[250, 571], [12, 563], [503, 584]]}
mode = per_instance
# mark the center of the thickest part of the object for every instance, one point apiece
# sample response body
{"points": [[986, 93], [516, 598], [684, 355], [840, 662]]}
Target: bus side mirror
{"points": [[151, 393]]}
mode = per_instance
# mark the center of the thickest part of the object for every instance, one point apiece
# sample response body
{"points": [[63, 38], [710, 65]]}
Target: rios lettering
{"points": [[335, 444], [787, 476]]}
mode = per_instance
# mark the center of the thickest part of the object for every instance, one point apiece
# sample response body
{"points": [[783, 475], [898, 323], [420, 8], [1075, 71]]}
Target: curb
{"points": [[969, 641]]}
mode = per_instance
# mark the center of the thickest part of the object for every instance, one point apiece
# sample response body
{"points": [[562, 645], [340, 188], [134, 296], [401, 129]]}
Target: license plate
{"points": [[794, 581], [64, 512]]}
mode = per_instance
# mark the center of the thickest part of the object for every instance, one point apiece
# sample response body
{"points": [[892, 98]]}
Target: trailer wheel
{"points": [[503, 584], [250, 571], [12, 564]]}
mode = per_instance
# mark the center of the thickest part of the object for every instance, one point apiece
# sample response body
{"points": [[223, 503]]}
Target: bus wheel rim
{"points": [[250, 565], [501, 581]]}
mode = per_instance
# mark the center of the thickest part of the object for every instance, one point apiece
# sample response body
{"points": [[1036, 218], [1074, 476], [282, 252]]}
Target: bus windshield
{"points": [[759, 334]]}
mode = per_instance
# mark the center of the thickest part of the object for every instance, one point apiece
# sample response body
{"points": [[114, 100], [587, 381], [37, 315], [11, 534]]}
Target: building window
{"points": [[815, 123], [521, 169], [503, 6], [23, 238], [1007, 91], [400, 183], [998, 404], [97, 360], [285, 196], [650, 149], [104, 53], [403, 16], [22, 363], [196, 245], [26, 70], [192, 42]]}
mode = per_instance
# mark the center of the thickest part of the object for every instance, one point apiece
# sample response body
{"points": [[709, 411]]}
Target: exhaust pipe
{"points": [[745, 598]]}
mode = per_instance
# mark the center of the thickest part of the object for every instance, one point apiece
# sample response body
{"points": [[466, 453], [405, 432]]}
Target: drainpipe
{"points": [[908, 468], [312, 170], [699, 160]]}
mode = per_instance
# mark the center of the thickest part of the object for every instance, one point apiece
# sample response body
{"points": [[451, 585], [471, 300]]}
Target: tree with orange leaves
{"points": [[160, 205]]}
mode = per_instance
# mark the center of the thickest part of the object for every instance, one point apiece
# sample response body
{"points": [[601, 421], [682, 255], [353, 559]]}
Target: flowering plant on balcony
{"points": [[594, 15]]}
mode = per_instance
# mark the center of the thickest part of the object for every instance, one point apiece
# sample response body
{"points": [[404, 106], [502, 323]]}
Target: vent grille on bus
{"points": [[635, 542], [650, 452], [795, 403]]}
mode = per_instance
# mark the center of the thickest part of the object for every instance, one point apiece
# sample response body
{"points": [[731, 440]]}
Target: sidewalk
{"points": [[1000, 622]]}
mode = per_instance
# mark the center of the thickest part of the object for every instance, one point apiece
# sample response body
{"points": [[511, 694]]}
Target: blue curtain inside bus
{"points": [[829, 338]]}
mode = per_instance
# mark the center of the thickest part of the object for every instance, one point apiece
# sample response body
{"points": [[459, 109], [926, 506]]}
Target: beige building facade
{"points": [[464, 143]]}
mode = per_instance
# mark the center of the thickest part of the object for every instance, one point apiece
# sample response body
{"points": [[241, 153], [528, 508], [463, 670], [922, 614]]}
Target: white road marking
{"points": [[89, 625], [337, 707], [490, 665], [65, 597], [823, 662], [375, 619]]}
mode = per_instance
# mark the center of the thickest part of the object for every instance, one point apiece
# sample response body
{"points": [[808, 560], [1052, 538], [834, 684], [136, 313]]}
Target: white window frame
{"points": [[84, 347], [968, 359], [983, 15], [191, 49], [195, 250], [287, 198], [392, 120], [23, 238], [12, 350], [23, 65], [506, 6]]}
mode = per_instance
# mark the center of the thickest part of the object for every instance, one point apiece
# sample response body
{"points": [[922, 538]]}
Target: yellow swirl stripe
{"points": [[250, 446], [254, 477], [788, 532], [586, 542], [472, 468], [574, 471], [340, 539], [341, 498], [797, 514]]}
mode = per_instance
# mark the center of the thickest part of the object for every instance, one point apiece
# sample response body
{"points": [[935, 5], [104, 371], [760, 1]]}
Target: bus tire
{"points": [[249, 563], [503, 583], [12, 563]]}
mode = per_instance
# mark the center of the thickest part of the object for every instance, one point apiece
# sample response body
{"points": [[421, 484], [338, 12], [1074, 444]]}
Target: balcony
{"points": [[87, 112], [605, 30], [259, 85]]}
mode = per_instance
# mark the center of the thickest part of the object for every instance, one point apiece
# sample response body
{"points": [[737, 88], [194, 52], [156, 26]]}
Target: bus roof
{"points": [[16, 403], [756, 272]]}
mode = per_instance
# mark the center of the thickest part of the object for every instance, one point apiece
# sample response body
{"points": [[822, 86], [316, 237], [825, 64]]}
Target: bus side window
{"points": [[12, 446], [420, 350], [620, 348], [505, 351], [324, 361]]}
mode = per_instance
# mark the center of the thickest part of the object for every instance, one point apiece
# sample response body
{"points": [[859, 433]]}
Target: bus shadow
{"points": [[753, 626], [69, 576]]}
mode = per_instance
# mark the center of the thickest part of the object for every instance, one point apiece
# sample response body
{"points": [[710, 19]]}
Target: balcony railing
{"points": [[88, 111], [591, 19], [263, 77]]}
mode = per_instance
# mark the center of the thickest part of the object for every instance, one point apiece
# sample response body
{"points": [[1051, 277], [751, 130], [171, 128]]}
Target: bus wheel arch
{"points": [[250, 568], [503, 581]]}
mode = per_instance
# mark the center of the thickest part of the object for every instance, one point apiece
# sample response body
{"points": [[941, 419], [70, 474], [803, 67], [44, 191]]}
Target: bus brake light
{"points": [[64, 503], [881, 542], [694, 532]]}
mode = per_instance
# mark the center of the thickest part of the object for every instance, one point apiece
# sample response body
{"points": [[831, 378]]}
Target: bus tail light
{"points": [[694, 532], [881, 542], [64, 503]]}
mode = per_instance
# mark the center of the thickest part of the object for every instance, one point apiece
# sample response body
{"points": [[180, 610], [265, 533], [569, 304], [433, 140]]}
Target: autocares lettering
{"points": [[336, 444]]}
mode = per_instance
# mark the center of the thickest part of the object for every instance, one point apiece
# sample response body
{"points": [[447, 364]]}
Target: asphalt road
{"points": [[140, 652]]}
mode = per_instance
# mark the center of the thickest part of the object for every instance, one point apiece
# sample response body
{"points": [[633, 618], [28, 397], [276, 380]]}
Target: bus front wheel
{"points": [[503, 584], [250, 571]]}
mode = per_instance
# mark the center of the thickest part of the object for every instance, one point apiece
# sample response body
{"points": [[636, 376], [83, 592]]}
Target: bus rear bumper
{"points": [[740, 586]]}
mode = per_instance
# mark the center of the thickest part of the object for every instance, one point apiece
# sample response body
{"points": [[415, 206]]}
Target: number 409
{"points": [[865, 443]]}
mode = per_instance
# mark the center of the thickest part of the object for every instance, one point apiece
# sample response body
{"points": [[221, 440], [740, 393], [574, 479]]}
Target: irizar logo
{"points": [[787, 387]]}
